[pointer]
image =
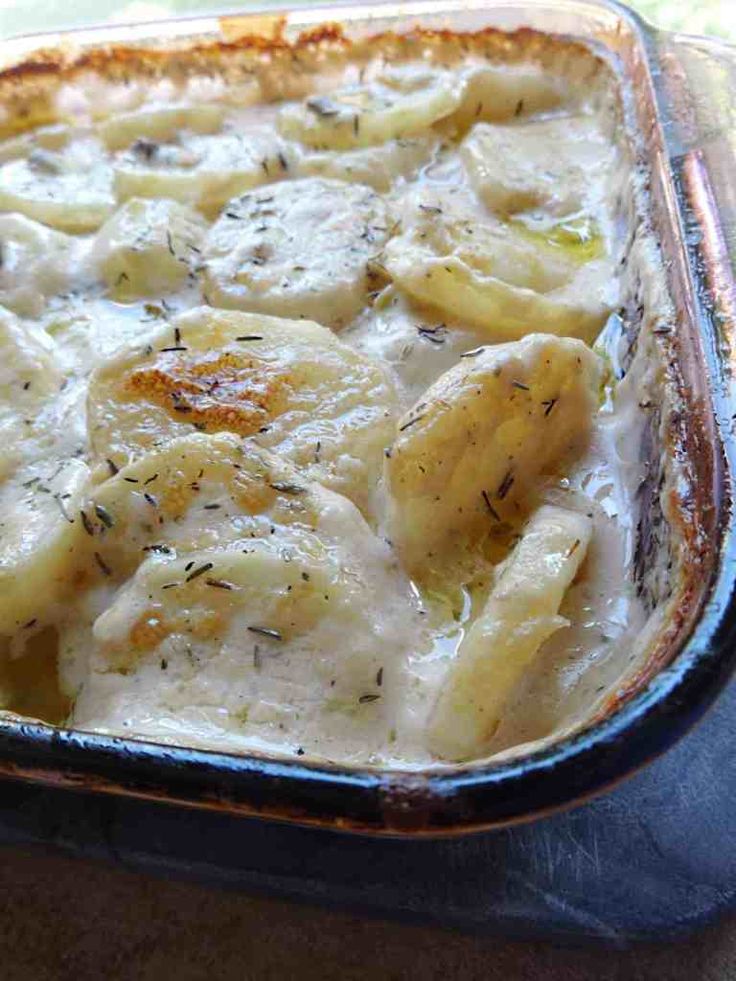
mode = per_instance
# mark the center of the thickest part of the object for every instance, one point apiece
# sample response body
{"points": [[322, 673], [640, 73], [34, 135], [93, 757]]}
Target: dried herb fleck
{"points": [[103, 566], [491, 510], [219, 584], [285, 487], [411, 422], [199, 571], [266, 632], [505, 485], [104, 515]]}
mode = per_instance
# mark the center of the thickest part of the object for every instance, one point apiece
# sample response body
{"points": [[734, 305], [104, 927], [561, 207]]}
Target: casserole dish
{"points": [[684, 550]]}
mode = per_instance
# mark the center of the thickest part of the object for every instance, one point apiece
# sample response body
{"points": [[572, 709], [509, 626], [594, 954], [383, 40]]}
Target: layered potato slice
{"points": [[30, 374], [148, 248], [160, 122], [204, 171], [235, 584], [297, 249], [399, 101], [495, 275], [469, 454], [40, 488], [498, 93], [521, 613], [36, 263], [51, 137], [41, 538], [291, 384], [377, 166], [69, 188], [513, 168], [89, 330]]}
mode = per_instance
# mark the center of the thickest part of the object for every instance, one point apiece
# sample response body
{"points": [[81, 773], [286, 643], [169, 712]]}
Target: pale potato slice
{"points": [[40, 486], [41, 538], [401, 101], [51, 137], [29, 376], [69, 189], [497, 93], [291, 384], [41, 416], [297, 249], [377, 166], [521, 613], [29, 370], [148, 248], [512, 169], [36, 263], [495, 275], [470, 452], [160, 122], [236, 624], [88, 330], [204, 171]]}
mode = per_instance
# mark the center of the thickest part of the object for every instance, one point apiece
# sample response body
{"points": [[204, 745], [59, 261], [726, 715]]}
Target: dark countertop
{"points": [[76, 918]]}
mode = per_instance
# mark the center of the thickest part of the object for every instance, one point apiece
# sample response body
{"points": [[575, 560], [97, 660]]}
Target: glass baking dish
{"points": [[678, 91]]}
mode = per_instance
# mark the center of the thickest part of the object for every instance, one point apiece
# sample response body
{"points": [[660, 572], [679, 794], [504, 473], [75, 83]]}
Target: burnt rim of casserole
{"points": [[638, 727]]}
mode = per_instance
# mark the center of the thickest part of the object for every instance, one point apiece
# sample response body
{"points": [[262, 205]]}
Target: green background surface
{"points": [[23, 16]]}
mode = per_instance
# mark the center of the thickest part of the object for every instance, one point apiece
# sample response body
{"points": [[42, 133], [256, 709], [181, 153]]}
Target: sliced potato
{"points": [[203, 171], [88, 330], [512, 169], [29, 376], [36, 263], [470, 452], [51, 137], [494, 275], [297, 249], [148, 247], [160, 122], [497, 93], [521, 612], [41, 538], [291, 384], [69, 189], [237, 623], [376, 166], [29, 368], [401, 101]]}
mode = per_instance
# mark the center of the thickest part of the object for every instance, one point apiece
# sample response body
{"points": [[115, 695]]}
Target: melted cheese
{"points": [[187, 436]]}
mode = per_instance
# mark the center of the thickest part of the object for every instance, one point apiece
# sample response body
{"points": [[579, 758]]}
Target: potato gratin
{"points": [[312, 437]]}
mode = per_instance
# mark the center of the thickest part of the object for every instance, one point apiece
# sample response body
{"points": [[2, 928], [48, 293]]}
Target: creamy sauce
{"points": [[358, 685]]}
